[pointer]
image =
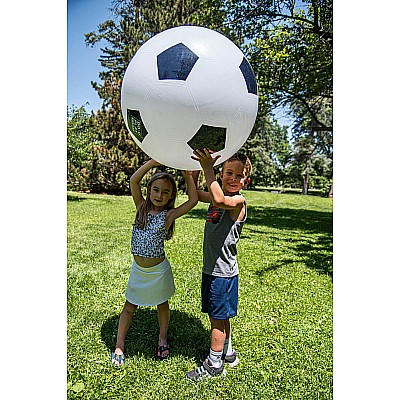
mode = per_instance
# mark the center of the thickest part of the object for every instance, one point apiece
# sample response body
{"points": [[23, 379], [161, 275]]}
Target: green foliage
{"points": [[283, 333], [289, 45], [269, 151], [291, 50], [117, 156], [79, 148]]}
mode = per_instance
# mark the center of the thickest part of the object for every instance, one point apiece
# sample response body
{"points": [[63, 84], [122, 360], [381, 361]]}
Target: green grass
{"points": [[283, 333]]}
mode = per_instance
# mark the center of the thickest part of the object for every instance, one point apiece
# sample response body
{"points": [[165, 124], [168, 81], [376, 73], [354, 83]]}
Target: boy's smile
{"points": [[232, 177]]}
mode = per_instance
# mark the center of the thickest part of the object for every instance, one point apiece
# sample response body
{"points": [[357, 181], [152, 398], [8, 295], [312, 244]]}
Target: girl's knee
{"points": [[163, 305], [130, 308]]}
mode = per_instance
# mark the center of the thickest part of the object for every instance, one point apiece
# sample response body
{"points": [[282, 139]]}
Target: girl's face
{"points": [[160, 193], [233, 177]]}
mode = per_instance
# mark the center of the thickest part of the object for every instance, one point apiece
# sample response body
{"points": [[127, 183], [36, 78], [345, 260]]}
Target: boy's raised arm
{"points": [[215, 191]]}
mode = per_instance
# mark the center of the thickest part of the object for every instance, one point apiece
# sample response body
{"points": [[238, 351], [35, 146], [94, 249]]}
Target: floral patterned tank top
{"points": [[149, 242]]}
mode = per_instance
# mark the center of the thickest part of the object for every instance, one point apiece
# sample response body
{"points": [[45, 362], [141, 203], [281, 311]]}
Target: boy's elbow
{"points": [[219, 204], [219, 201]]}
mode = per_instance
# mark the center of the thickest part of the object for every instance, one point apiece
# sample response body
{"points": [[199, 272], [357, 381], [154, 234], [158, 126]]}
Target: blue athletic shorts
{"points": [[219, 296]]}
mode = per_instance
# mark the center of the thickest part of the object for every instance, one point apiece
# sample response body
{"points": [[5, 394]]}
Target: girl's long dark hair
{"points": [[147, 205]]}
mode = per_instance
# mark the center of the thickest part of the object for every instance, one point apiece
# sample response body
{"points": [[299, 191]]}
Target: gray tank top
{"points": [[221, 235]]}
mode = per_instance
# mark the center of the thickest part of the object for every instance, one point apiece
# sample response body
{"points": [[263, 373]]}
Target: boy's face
{"points": [[233, 177]]}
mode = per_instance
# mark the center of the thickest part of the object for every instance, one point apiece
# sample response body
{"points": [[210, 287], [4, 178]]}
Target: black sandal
{"points": [[161, 349]]}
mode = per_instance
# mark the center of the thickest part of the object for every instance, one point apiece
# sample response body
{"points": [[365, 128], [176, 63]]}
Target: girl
{"points": [[151, 281]]}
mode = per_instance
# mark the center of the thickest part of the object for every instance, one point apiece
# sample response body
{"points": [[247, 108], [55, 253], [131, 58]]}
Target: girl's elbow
{"points": [[193, 201]]}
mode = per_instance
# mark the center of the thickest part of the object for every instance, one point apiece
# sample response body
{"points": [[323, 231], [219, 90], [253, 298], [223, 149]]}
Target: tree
{"points": [[290, 45], [313, 144], [135, 22], [269, 151], [79, 148]]}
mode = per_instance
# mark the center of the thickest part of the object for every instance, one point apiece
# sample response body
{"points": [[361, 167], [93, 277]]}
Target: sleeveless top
{"points": [[149, 242], [221, 235]]}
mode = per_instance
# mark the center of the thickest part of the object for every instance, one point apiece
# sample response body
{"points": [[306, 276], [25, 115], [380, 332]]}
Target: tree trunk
{"points": [[306, 181], [306, 177]]}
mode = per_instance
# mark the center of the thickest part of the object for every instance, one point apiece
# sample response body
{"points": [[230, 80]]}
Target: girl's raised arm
{"points": [[203, 196], [185, 207], [136, 178]]}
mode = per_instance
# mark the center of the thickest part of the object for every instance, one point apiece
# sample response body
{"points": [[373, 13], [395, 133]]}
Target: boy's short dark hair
{"points": [[239, 156]]}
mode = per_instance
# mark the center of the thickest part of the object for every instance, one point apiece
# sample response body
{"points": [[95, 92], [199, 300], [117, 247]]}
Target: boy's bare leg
{"points": [[227, 328], [218, 334]]}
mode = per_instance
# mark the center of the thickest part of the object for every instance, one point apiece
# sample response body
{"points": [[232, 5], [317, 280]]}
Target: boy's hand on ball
{"points": [[204, 157], [186, 173]]}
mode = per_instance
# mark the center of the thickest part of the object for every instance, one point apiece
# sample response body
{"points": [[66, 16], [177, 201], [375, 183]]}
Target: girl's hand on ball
{"points": [[154, 162]]}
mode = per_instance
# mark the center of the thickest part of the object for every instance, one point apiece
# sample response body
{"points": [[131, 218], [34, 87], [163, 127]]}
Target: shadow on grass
{"points": [[283, 218], [312, 238], [306, 233], [290, 218], [315, 254], [71, 197], [188, 335]]}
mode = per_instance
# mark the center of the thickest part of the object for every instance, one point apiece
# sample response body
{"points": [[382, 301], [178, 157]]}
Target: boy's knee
{"points": [[217, 324]]}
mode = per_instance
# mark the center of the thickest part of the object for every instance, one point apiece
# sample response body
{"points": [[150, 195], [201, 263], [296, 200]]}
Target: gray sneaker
{"points": [[206, 371], [232, 360]]}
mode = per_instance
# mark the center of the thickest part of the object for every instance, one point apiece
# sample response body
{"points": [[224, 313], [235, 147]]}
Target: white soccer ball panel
{"points": [[138, 79], [170, 112], [215, 93], [175, 154]]}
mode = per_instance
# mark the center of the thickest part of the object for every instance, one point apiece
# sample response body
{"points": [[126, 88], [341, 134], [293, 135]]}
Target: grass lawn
{"points": [[283, 333]]}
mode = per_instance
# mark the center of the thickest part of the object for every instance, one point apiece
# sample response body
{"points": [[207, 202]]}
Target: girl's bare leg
{"points": [[163, 321], [124, 323]]}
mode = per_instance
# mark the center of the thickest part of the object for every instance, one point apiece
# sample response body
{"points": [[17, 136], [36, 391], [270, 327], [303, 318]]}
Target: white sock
{"points": [[215, 358], [227, 347]]}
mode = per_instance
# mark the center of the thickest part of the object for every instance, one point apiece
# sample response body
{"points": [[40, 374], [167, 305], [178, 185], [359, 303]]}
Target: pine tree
{"points": [[116, 155]]}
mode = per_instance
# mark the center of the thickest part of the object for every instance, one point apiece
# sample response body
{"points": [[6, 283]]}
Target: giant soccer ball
{"points": [[185, 88]]}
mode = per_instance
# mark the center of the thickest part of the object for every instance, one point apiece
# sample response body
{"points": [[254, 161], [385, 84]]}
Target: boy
{"points": [[219, 289]]}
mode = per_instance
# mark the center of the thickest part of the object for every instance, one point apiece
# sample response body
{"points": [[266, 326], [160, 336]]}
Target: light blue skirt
{"points": [[150, 286]]}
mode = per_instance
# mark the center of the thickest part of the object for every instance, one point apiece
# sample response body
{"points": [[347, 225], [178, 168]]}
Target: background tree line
{"points": [[289, 45]]}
